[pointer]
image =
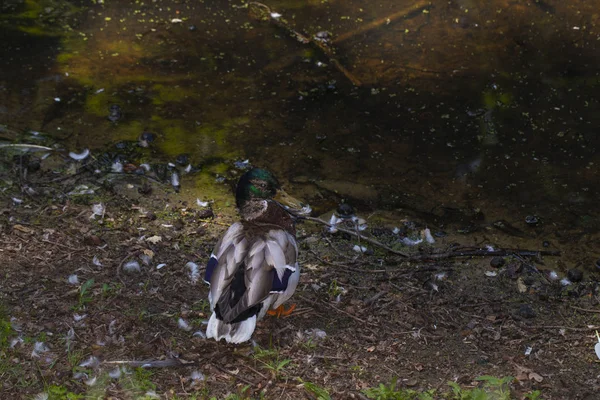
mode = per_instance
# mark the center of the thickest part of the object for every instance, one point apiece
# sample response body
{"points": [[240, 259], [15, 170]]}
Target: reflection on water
{"points": [[463, 105]]}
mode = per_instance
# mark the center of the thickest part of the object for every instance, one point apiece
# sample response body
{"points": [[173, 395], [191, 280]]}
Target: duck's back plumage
{"points": [[253, 268]]}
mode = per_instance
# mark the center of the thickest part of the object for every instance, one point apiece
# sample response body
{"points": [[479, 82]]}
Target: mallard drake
{"points": [[254, 266]]}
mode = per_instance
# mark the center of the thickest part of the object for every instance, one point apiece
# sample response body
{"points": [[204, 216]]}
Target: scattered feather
{"points": [[427, 236], [16, 200], [41, 396], [91, 362], [151, 394], [553, 275], [316, 333], [79, 375], [334, 220], [491, 273], [159, 266], [145, 166], [16, 341], [275, 15], [77, 317], [176, 21], [565, 282], [199, 334], [80, 156], [91, 381], [117, 167], [146, 259], [362, 227], [396, 230], [489, 248], [98, 210], [197, 376], [38, 349], [306, 210], [175, 180], [96, 261], [528, 350], [242, 164], [188, 169], [359, 249], [597, 347], [410, 242], [202, 203], [194, 272], [132, 266], [182, 323], [115, 373], [441, 276], [73, 279]]}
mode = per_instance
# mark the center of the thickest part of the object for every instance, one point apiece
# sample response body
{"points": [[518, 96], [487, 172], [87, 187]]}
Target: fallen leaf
{"points": [[536, 377], [154, 239], [521, 285], [23, 229]]}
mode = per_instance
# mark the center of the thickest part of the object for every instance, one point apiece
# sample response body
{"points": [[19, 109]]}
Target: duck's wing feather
{"points": [[250, 269]]}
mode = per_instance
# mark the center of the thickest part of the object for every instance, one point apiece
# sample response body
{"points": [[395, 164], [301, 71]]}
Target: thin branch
{"points": [[362, 237], [413, 8], [169, 362], [262, 11]]}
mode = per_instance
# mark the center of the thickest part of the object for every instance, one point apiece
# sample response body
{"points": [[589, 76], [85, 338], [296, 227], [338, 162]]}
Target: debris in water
{"points": [[80, 156]]}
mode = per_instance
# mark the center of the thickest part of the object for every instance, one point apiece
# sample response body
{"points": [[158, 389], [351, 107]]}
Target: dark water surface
{"points": [[460, 111]]}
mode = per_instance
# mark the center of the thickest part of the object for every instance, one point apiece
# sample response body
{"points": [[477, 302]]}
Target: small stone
{"points": [[345, 210], [205, 213], [526, 311], [531, 220], [92, 240], [115, 113], [497, 262], [182, 159], [575, 275]]}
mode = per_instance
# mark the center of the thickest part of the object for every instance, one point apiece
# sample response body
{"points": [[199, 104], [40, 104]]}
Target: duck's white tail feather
{"points": [[232, 333]]}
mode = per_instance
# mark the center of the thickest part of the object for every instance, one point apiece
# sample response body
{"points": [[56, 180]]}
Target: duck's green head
{"points": [[256, 184]]}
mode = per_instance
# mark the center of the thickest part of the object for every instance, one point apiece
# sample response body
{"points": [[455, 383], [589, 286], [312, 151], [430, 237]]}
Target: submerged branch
{"points": [[414, 8], [263, 12]]}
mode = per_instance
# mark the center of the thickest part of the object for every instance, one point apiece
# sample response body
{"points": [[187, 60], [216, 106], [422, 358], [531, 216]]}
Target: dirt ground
{"points": [[360, 320]]}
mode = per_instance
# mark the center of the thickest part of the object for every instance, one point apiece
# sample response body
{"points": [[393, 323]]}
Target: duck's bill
{"points": [[292, 204]]}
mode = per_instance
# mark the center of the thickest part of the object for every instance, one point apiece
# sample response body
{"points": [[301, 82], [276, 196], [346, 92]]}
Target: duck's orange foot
{"points": [[281, 311]]}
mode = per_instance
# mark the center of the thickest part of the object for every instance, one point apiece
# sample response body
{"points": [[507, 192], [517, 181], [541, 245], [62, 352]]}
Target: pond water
{"points": [[460, 112]]}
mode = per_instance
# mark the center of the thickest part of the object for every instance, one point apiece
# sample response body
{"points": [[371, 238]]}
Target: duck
{"points": [[253, 268]]}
